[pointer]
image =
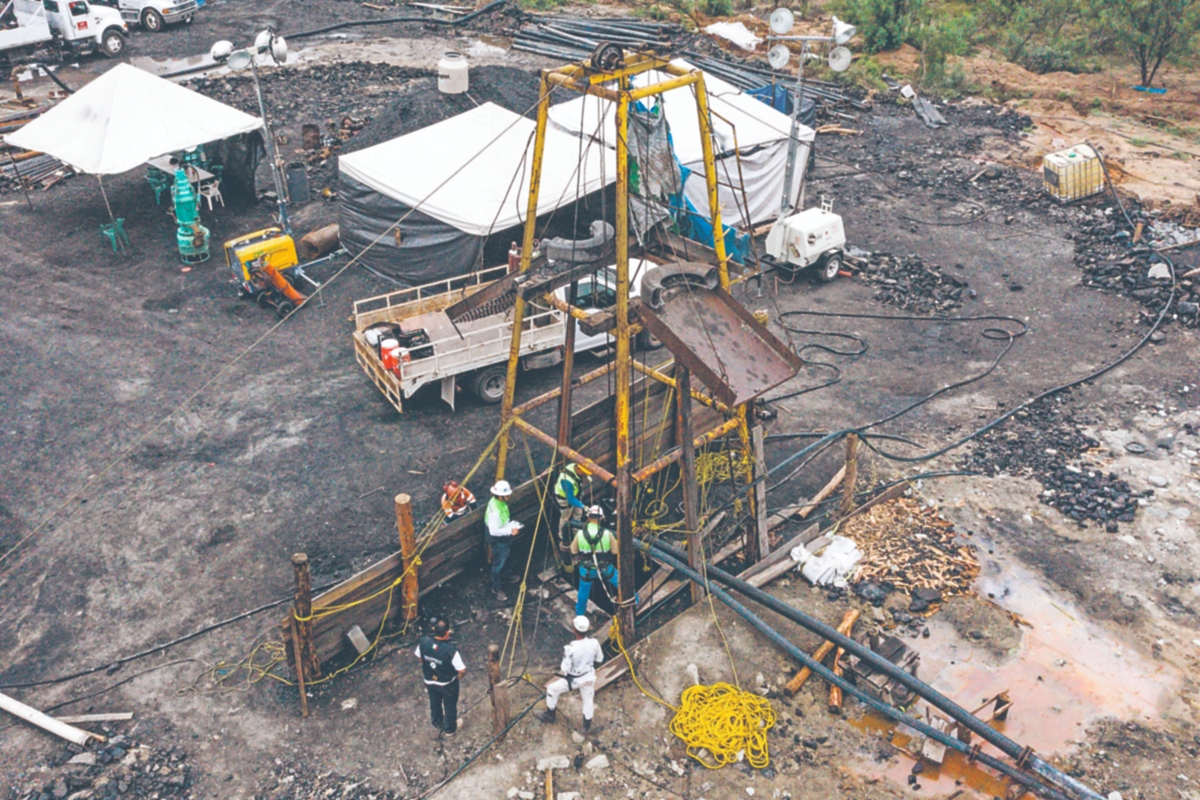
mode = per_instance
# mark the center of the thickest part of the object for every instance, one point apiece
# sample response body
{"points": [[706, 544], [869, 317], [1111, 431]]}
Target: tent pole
{"points": [[20, 180], [104, 194]]}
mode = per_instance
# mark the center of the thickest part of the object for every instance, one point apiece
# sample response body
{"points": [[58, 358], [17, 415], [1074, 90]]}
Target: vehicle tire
{"points": [[647, 341], [828, 267], [284, 308], [112, 44], [488, 384], [188, 20], [263, 299], [152, 20]]}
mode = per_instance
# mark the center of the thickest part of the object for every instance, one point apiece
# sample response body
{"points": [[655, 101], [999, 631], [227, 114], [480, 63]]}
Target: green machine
{"points": [[191, 236]]}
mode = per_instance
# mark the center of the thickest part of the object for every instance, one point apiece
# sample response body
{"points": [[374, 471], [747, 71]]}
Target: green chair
{"points": [[160, 182], [115, 233]]}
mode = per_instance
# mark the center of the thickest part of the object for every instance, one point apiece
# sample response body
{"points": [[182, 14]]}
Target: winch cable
{"points": [[973, 753]]}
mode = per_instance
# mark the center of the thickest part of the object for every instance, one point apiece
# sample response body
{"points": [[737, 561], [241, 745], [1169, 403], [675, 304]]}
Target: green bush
{"points": [[882, 24], [1042, 59], [718, 8]]}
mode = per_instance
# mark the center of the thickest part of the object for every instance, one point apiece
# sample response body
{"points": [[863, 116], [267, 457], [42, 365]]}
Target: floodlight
{"points": [[782, 20], [220, 51], [839, 59], [843, 31], [279, 50], [239, 60], [778, 56]]}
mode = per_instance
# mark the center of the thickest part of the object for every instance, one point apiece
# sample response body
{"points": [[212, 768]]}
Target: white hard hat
{"points": [[502, 489], [596, 511], [582, 624]]}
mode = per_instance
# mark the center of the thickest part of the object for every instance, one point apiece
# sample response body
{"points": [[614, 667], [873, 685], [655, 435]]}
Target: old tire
{"points": [[152, 20], [828, 267], [647, 341], [488, 384], [284, 308], [112, 44]]}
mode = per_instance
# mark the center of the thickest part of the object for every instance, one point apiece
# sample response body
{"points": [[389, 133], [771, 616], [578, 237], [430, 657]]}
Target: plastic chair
{"points": [[159, 182], [212, 191], [115, 233]]}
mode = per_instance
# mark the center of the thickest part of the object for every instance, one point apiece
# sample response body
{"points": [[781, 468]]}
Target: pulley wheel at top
{"points": [[607, 57]]}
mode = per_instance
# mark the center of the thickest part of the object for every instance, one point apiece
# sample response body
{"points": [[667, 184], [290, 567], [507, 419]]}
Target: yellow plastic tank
{"points": [[1073, 174]]}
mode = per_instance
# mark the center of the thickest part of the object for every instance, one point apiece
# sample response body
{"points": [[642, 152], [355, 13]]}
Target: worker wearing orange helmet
{"points": [[456, 500]]}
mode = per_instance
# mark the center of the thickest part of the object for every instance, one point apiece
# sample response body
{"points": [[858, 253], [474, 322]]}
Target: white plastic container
{"points": [[452, 74], [1073, 174]]}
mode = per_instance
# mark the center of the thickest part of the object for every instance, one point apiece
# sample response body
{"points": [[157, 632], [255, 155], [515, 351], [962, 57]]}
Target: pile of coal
{"points": [[118, 768], [908, 283], [1045, 442]]}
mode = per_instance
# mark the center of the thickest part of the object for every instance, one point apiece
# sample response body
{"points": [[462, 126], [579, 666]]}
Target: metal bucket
{"points": [[297, 183]]}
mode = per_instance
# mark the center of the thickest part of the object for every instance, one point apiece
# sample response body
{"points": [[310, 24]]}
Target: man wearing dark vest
{"points": [[442, 666]]}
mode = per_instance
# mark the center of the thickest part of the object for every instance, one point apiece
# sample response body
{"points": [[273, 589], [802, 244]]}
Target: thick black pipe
{"points": [[933, 696], [826, 674]]}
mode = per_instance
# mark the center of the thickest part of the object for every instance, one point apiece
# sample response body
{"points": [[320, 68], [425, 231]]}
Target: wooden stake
{"points": [[497, 691], [846, 626], [299, 668], [684, 436], [820, 496], [568, 370], [306, 662], [760, 493], [835, 692], [409, 589], [549, 784], [851, 474]]}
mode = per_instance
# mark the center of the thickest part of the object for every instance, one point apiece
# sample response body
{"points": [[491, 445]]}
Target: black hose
{"points": [[883, 708], [877, 662]]}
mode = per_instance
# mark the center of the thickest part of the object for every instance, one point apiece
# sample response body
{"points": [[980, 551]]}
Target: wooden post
{"points": [[299, 668], [851, 474], [760, 492], [302, 606], [550, 784], [684, 437], [497, 691], [408, 556], [568, 365], [835, 693], [846, 626]]}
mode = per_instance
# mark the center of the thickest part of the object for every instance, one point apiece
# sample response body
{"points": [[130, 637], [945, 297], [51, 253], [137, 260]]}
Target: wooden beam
{"points": [[83, 719], [497, 691], [851, 474], [834, 482], [760, 494], [687, 471], [409, 589], [308, 664], [46, 722], [845, 628]]}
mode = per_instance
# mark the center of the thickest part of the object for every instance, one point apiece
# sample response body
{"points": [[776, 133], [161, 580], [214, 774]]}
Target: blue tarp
{"points": [[779, 97]]}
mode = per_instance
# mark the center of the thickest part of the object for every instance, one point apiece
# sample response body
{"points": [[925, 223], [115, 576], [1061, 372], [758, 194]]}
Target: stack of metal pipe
{"points": [[574, 38], [746, 75]]}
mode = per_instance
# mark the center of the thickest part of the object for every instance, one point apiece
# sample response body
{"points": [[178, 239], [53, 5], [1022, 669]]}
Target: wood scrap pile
{"points": [[908, 548]]}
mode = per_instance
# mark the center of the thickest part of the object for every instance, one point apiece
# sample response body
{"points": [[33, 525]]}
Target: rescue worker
{"points": [[500, 533], [442, 667], [456, 500], [594, 549], [578, 669], [567, 495]]}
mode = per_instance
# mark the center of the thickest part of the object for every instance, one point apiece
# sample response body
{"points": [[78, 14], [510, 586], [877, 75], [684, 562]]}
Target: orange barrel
{"points": [[387, 353]]}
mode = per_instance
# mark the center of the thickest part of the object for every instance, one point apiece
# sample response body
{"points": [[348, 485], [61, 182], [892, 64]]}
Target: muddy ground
{"points": [[177, 482]]}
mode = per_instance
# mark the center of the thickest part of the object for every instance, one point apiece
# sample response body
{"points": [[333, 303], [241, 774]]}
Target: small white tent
{"points": [[742, 125], [454, 183], [126, 116]]}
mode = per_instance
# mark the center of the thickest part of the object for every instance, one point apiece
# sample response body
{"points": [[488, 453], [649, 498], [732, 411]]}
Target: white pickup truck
{"points": [[154, 15], [76, 27], [480, 355]]}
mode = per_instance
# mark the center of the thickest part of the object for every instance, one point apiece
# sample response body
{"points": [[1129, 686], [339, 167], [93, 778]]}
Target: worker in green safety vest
{"points": [[500, 532], [567, 495], [594, 550]]}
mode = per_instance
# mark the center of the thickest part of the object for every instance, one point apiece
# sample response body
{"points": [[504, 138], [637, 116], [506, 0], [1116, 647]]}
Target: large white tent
{"points": [[126, 116], [453, 184], [742, 126]]}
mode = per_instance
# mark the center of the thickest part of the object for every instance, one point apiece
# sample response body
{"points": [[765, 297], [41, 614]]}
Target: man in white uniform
{"points": [[578, 668]]}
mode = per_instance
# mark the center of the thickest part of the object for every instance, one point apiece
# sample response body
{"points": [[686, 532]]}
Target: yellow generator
{"points": [[265, 267]]}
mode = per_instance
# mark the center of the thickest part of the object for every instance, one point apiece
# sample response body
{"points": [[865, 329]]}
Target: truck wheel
{"points": [[828, 268], [647, 341], [112, 43], [284, 308], [488, 384], [152, 20]]}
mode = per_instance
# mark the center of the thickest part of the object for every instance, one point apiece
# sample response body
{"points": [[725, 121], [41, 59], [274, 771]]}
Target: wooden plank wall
{"points": [[451, 549]]}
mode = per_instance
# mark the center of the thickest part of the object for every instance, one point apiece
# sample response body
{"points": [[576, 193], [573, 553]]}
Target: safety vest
{"points": [[560, 492], [437, 660], [496, 514], [595, 548]]}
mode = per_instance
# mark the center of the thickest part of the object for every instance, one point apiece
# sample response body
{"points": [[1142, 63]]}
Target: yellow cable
{"points": [[719, 722]]}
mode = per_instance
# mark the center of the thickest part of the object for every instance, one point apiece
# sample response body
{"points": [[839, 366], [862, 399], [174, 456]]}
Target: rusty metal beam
{"points": [[651, 372], [542, 399], [566, 452]]}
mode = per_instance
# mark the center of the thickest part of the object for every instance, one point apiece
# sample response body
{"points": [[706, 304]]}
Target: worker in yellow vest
{"points": [[568, 496]]}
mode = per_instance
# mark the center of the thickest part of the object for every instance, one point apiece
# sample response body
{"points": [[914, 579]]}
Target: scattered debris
{"points": [[907, 282]]}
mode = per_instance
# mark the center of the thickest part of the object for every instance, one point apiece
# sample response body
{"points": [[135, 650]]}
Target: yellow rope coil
{"points": [[717, 722]]}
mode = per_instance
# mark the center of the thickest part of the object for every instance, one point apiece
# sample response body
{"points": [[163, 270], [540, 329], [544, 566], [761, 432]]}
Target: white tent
{"points": [[125, 117], [741, 123], [454, 183]]}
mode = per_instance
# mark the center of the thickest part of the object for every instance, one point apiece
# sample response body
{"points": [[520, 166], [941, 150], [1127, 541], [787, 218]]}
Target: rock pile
{"points": [[292, 782], [119, 768], [1045, 442], [907, 282]]}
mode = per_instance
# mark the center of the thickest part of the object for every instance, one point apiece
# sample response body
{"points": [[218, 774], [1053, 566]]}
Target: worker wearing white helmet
{"points": [[500, 532], [577, 671], [594, 551]]}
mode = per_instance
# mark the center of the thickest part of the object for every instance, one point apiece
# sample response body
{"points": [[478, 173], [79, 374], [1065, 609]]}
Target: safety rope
{"points": [[721, 724]]}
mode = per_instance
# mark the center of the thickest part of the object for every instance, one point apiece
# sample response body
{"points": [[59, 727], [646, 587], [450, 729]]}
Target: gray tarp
{"points": [[431, 251]]}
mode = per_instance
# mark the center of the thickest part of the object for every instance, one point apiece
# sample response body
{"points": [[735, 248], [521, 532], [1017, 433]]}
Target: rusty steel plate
{"points": [[724, 346]]}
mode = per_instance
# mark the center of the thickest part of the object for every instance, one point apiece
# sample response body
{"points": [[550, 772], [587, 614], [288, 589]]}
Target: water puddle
{"points": [[487, 46], [1066, 673]]}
